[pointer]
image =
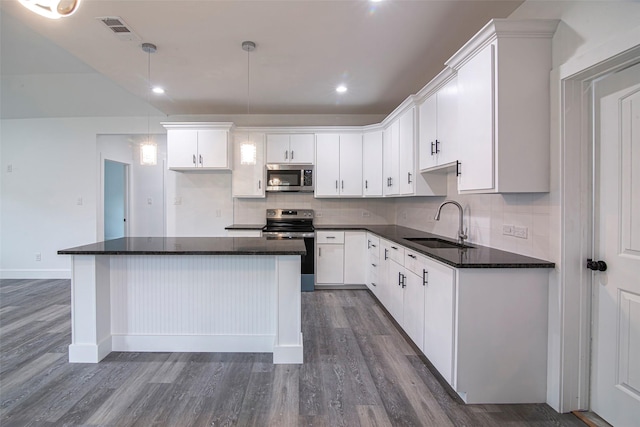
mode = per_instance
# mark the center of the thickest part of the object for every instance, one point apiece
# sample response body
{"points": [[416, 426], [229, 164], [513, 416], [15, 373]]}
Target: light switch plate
{"points": [[507, 230], [520, 232]]}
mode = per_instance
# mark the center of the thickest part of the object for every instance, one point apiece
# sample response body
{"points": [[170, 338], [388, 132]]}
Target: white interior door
{"points": [[115, 199], [615, 380]]}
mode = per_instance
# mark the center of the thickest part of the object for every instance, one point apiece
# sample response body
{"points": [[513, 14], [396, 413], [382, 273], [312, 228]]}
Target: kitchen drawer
{"points": [[414, 262], [396, 253], [336, 237]]}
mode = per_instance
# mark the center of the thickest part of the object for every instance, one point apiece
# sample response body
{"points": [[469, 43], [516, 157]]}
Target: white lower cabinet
{"points": [[438, 332], [483, 329], [373, 263], [341, 258]]}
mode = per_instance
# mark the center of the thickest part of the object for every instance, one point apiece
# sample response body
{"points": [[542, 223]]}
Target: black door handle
{"points": [[596, 265]]}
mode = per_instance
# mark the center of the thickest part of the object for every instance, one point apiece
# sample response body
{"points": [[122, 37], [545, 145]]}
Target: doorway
{"points": [[116, 199]]}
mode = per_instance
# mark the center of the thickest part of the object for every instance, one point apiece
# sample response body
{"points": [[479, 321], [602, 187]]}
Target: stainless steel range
{"points": [[295, 224]]}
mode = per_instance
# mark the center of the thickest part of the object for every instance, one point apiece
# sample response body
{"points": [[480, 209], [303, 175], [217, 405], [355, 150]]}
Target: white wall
{"points": [[50, 197], [585, 26]]}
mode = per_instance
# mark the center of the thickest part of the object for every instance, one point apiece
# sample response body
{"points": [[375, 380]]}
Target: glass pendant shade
{"points": [[148, 154], [52, 9]]}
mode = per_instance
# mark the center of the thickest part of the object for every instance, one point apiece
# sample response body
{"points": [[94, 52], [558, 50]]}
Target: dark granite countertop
{"points": [[475, 257], [190, 246], [244, 227]]}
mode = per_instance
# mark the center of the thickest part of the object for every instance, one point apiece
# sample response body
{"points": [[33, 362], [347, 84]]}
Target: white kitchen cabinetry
{"points": [[290, 148], [469, 321], [391, 159], [372, 164], [373, 263], [407, 144], [198, 146], [395, 280], [439, 294], [341, 258], [438, 127], [503, 107], [338, 165], [400, 162], [248, 176], [355, 255], [329, 257], [414, 290]]}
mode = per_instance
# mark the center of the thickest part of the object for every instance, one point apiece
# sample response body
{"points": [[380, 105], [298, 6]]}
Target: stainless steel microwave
{"points": [[292, 178]]}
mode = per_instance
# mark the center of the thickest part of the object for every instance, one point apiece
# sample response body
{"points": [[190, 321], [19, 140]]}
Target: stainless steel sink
{"points": [[435, 243]]}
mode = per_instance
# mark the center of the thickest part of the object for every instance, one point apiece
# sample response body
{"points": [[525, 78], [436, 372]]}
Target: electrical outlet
{"points": [[520, 232], [177, 201], [9, 168], [79, 201], [38, 256], [507, 230], [149, 201], [318, 214], [366, 214], [218, 213]]}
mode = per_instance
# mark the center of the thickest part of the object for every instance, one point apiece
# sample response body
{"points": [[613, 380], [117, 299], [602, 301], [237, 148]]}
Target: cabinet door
{"points": [[355, 257], [428, 132], [327, 165], [213, 149], [395, 278], [372, 164], [406, 143], [385, 285], [301, 148], [447, 123], [277, 148], [248, 171], [391, 165], [351, 165], [439, 318], [476, 90], [182, 148], [373, 263], [413, 308], [330, 264]]}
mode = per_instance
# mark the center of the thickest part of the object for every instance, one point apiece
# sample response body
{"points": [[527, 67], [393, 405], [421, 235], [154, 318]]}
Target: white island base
{"points": [[186, 303]]}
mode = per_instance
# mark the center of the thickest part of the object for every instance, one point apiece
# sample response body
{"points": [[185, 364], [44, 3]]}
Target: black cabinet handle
{"points": [[432, 144], [412, 256], [425, 277]]}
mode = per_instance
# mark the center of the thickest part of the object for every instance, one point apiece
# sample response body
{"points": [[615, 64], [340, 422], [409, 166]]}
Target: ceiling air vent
{"points": [[119, 28]]}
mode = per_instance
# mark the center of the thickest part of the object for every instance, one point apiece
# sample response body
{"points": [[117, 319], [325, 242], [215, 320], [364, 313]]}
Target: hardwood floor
{"points": [[359, 371]]}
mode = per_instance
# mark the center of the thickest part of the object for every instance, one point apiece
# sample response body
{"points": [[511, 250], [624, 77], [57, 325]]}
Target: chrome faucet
{"points": [[461, 233]]}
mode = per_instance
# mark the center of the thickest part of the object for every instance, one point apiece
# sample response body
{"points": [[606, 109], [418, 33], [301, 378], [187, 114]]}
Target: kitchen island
{"points": [[217, 294]]}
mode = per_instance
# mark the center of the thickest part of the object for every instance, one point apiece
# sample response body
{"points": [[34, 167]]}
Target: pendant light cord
{"points": [[248, 80], [148, 97]]}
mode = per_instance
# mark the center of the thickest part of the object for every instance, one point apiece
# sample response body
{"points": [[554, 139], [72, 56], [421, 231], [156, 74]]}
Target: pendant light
{"points": [[248, 149], [148, 149], [52, 9]]}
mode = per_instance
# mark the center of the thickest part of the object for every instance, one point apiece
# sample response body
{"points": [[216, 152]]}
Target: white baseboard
{"points": [[288, 354], [194, 343], [89, 353], [35, 274]]}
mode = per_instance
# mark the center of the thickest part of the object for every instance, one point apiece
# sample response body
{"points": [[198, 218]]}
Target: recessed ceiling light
{"points": [[158, 90], [341, 89]]}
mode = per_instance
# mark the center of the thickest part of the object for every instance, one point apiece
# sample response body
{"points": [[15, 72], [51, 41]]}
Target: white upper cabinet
{"points": [[438, 127], [372, 164], [248, 177], [338, 165], [503, 107], [290, 148], [198, 146], [391, 159], [401, 176], [407, 143]]}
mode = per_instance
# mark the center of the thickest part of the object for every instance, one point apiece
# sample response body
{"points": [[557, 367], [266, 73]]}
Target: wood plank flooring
{"points": [[359, 370]]}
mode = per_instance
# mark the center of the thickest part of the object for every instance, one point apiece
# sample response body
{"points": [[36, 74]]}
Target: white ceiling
{"points": [[382, 51]]}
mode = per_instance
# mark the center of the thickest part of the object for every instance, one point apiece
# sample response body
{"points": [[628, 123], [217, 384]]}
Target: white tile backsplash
{"points": [[484, 215]]}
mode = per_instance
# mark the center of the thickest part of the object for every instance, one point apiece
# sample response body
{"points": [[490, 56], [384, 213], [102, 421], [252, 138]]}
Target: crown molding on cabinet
{"points": [[502, 28]]}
